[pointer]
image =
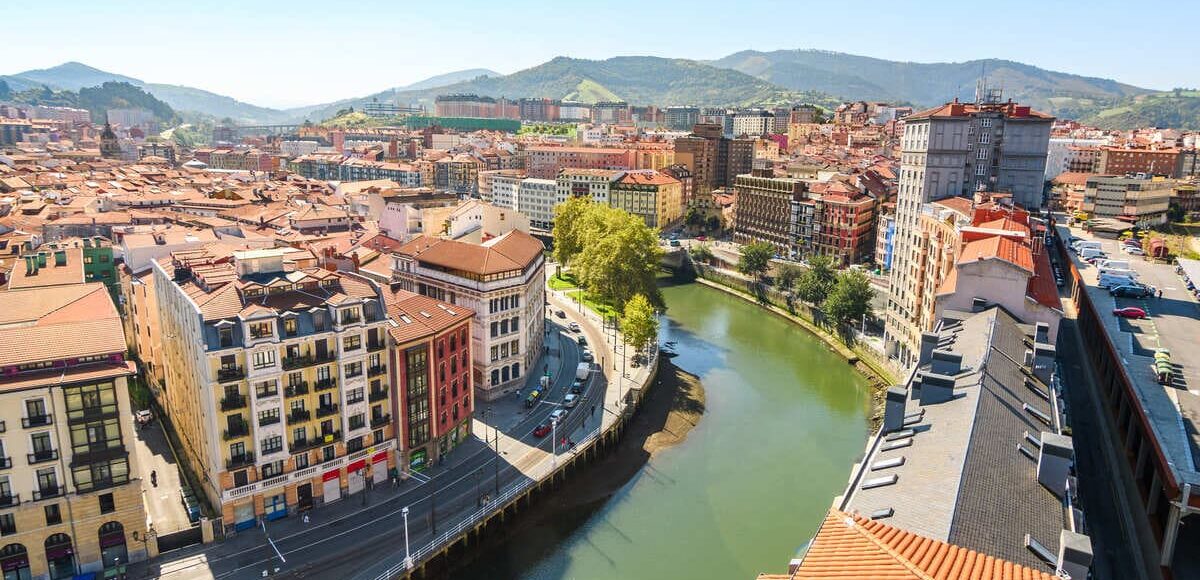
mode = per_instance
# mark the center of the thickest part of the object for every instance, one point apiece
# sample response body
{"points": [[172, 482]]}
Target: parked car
{"points": [[577, 387], [143, 417], [587, 356], [574, 326], [541, 430], [558, 415], [532, 398], [1129, 312], [570, 400], [581, 340], [675, 243], [1131, 291], [701, 238], [1135, 251], [560, 314]]}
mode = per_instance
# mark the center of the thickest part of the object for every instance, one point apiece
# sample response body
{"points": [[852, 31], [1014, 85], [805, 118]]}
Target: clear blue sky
{"points": [[290, 53]]}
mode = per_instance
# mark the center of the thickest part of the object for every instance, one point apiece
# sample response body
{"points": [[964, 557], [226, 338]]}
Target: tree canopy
{"points": [[612, 252], [756, 258], [638, 322], [850, 298], [815, 283]]}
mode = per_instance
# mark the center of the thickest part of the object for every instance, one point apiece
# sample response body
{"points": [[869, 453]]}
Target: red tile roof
{"points": [[853, 547], [1000, 247], [1042, 287]]}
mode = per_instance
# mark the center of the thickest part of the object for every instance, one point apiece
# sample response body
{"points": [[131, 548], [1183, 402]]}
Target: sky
{"points": [[301, 52]]}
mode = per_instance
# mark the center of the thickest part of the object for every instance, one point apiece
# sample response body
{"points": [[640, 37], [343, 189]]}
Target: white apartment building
{"points": [[503, 280], [536, 199], [1058, 153], [956, 149], [505, 190]]}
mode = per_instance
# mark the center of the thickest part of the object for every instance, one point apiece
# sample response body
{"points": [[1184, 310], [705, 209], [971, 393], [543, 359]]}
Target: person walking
{"points": [[1160, 292]]}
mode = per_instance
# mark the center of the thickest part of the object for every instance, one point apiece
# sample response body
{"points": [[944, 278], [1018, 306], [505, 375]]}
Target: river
{"points": [[785, 418]]}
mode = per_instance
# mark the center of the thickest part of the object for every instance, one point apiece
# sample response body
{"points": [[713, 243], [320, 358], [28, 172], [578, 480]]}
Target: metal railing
{"points": [[37, 420], [233, 403], [296, 389], [230, 374]]}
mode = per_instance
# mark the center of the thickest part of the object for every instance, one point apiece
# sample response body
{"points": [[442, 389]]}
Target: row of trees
{"points": [[843, 296]]}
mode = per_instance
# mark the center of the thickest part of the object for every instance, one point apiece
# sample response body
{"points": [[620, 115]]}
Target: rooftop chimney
{"points": [[1054, 462], [946, 362], [936, 389], [60, 258], [893, 409], [1074, 555], [1043, 361], [929, 341]]}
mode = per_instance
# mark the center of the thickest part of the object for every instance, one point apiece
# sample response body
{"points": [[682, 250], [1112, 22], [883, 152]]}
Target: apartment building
{"points": [[70, 495], [766, 211], [1165, 161], [682, 118], [595, 184], [545, 162], [844, 227], [536, 198], [357, 169], [503, 281], [655, 197], [459, 174], [1140, 201], [955, 150], [499, 186], [268, 363]]}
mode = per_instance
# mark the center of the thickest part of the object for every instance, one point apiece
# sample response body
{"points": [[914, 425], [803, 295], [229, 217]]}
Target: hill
{"points": [[635, 79], [98, 100], [449, 78], [1178, 109], [922, 84], [73, 76]]}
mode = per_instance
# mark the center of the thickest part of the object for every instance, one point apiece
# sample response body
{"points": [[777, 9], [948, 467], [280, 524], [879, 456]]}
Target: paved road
{"points": [[338, 542]]}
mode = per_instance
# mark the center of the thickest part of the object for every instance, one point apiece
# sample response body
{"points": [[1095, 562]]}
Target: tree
{"points": [[787, 276], [756, 258], [569, 228], [638, 322], [850, 299], [694, 218], [713, 223], [702, 253], [620, 256], [817, 281]]}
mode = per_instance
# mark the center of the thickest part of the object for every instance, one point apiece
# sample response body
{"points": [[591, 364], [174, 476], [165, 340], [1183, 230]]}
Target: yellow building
{"points": [[70, 499], [276, 378], [655, 197]]}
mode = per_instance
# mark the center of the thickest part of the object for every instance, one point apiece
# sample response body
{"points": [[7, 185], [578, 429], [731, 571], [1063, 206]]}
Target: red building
{"points": [[1120, 161], [545, 161], [430, 365]]}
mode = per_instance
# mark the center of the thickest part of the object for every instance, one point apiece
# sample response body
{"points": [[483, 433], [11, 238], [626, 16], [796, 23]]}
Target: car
{"points": [[560, 314], [143, 417], [532, 398], [1129, 312], [675, 243], [1131, 291], [557, 416], [570, 400], [542, 430], [587, 356], [1134, 251], [574, 326], [674, 235], [702, 238], [581, 340], [577, 387]]}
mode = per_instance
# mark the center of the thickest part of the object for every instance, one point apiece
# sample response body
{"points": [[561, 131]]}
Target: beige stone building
{"points": [[70, 500]]}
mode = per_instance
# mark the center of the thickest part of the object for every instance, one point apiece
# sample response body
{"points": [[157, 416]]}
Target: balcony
{"points": [[375, 345], [228, 374], [328, 356], [327, 410], [302, 445], [233, 403], [269, 420], [36, 420], [240, 429], [42, 456], [376, 370], [298, 415], [295, 362], [97, 453], [348, 320], [380, 421], [240, 460], [48, 492], [264, 393], [377, 395], [328, 437], [324, 384], [296, 389], [9, 499], [103, 483]]}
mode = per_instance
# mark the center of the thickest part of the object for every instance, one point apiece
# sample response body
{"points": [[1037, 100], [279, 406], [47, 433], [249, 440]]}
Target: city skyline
{"points": [[404, 45]]}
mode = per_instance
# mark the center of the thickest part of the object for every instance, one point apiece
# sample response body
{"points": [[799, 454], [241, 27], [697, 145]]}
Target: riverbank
{"points": [[879, 378], [672, 407]]}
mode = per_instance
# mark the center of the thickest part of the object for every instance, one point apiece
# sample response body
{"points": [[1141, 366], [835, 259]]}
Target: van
{"points": [[1081, 245], [1118, 272], [1113, 264], [1110, 280], [1090, 252]]}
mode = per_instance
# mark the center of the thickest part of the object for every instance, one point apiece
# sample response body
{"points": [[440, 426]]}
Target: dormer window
{"points": [[260, 330], [350, 316], [225, 336], [290, 327]]}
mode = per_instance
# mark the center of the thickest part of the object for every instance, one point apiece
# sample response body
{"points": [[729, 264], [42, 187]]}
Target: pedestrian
{"points": [[593, 410], [306, 517], [154, 477], [1160, 292]]}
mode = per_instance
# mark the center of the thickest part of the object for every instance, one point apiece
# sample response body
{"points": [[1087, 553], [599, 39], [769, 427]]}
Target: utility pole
{"points": [[496, 459]]}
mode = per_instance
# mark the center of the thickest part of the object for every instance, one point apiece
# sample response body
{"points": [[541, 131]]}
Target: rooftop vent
{"points": [[1054, 462], [929, 342], [946, 362], [893, 409], [880, 481], [1074, 555]]}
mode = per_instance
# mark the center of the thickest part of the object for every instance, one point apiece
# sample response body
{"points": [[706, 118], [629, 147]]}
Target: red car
{"points": [[541, 430], [1130, 312], [701, 238]]}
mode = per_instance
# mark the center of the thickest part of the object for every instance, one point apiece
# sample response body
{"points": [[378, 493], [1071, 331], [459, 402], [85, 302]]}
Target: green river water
{"points": [[785, 418]]}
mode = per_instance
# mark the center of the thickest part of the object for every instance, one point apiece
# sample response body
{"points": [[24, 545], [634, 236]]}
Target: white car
{"points": [[558, 415], [570, 400], [1135, 252], [574, 326]]}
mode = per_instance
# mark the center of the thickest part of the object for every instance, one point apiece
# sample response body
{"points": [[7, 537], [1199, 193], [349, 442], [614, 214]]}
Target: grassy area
{"points": [[563, 282], [594, 303]]}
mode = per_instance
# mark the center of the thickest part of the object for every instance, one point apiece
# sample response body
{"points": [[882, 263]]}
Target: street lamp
{"points": [[407, 554]]}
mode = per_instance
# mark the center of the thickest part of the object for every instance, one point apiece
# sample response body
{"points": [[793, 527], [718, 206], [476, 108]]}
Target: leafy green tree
{"points": [[694, 218], [570, 229], [814, 285], [702, 253], [638, 322], [787, 276], [713, 223], [620, 256], [850, 299], [756, 258]]}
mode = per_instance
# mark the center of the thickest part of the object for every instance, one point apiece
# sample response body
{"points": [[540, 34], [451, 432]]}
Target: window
{"points": [[353, 342], [237, 450], [8, 524], [47, 482], [269, 416], [328, 453], [35, 409], [302, 461], [353, 369], [272, 444], [260, 330], [42, 447], [358, 421], [225, 336], [240, 478], [107, 503], [354, 396], [290, 326], [264, 359], [272, 469], [323, 373]]}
